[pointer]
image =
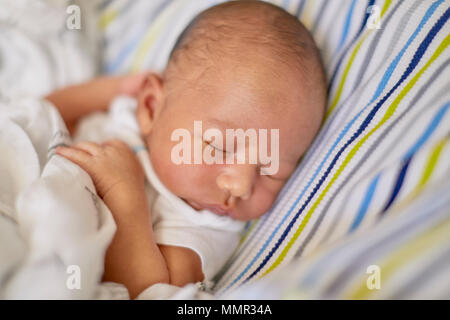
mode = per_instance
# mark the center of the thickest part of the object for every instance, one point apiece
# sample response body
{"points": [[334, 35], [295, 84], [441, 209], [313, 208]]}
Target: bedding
{"points": [[404, 256], [385, 142], [383, 147], [55, 229], [38, 53]]}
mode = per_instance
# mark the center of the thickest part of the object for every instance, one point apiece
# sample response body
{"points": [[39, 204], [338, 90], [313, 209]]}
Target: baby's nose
{"points": [[238, 181]]}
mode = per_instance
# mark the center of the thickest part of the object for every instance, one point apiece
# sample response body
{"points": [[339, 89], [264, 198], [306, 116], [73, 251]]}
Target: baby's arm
{"points": [[79, 100], [184, 265], [133, 258]]}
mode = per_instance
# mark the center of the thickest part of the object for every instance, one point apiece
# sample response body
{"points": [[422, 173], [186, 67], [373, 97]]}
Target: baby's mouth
{"points": [[217, 209]]}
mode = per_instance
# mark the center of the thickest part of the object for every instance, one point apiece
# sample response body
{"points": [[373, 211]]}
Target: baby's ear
{"points": [[150, 99]]}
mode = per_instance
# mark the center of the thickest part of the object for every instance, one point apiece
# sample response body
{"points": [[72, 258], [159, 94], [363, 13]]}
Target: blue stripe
{"points": [[347, 24], [285, 4], [398, 184], [102, 5], [131, 46], [300, 7], [410, 154], [430, 129], [366, 17], [417, 57], [139, 148], [421, 216], [368, 198], [371, 2], [394, 63], [365, 204], [340, 137]]}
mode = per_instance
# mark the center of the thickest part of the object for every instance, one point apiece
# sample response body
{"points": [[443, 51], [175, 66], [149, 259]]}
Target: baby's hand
{"points": [[112, 166]]}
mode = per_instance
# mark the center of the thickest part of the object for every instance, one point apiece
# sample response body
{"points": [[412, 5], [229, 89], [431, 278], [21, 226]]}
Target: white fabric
{"points": [[38, 51], [175, 223], [166, 291], [159, 291], [51, 220]]}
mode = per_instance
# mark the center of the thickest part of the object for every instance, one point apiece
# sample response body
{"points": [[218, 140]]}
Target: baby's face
{"points": [[223, 101]]}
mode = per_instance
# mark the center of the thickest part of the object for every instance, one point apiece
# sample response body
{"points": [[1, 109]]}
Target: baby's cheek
{"points": [[191, 181], [168, 172], [260, 202]]}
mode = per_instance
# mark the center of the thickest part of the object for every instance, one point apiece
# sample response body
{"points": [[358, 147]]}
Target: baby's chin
{"points": [[236, 213], [217, 209]]}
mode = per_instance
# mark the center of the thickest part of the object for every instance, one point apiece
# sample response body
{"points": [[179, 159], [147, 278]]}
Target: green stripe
{"points": [[350, 63], [433, 159], [392, 108], [106, 18]]}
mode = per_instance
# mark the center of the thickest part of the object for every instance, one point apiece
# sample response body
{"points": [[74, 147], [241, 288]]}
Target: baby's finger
{"points": [[77, 156], [89, 147]]}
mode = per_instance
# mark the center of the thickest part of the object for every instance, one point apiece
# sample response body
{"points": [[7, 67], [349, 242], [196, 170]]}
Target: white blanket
{"points": [[54, 228], [42, 47]]}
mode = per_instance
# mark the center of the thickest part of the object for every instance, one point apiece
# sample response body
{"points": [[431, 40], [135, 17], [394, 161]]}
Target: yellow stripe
{"points": [[350, 63], [152, 34], [106, 18], [306, 15], [444, 44], [406, 254], [249, 230], [110, 13], [344, 76], [145, 45], [433, 159], [386, 6]]}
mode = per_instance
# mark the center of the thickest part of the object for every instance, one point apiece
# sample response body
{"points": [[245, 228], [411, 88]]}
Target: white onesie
{"points": [[175, 223]]}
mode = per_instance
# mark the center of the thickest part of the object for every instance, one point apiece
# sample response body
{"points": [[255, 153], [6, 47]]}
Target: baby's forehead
{"points": [[228, 108], [234, 31]]}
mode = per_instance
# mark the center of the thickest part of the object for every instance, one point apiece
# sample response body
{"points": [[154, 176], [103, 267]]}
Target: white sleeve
{"points": [[214, 238], [213, 246]]}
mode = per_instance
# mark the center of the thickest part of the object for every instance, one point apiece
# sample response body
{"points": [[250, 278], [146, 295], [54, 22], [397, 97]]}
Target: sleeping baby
{"points": [[241, 65]]}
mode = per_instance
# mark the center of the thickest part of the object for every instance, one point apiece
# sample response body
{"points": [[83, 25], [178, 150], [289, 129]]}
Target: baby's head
{"points": [[239, 65]]}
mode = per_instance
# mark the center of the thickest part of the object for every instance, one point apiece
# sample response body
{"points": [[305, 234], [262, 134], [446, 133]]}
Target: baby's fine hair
{"points": [[256, 28]]}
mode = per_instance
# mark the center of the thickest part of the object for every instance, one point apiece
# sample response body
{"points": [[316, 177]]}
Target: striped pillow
{"points": [[382, 155]]}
